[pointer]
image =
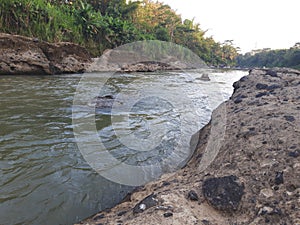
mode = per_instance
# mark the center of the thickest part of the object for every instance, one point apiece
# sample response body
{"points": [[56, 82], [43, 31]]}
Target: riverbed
{"points": [[44, 179]]}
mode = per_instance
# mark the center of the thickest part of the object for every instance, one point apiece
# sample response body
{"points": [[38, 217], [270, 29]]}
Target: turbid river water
{"points": [[44, 179]]}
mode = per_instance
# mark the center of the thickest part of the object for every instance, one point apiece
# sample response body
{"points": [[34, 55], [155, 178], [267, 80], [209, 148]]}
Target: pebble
{"points": [[168, 214], [205, 222], [294, 154], [289, 118], [192, 195], [271, 73], [261, 86], [279, 178], [101, 216], [121, 213], [266, 193]]}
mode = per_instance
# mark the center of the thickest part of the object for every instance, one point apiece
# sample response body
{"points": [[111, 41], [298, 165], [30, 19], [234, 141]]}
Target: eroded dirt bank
{"points": [[255, 176], [22, 55]]}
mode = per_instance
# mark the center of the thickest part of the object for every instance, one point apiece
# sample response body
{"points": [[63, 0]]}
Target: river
{"points": [[44, 179]]}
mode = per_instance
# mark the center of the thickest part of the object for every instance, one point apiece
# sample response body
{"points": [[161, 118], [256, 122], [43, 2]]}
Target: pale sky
{"points": [[252, 24]]}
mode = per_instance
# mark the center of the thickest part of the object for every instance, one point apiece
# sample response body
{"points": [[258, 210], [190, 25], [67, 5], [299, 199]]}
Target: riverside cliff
{"points": [[253, 177], [21, 55]]}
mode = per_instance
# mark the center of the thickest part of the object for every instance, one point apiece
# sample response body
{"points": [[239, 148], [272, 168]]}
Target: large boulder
{"points": [[23, 55]]}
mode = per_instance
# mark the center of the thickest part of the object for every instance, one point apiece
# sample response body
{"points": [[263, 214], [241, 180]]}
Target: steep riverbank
{"points": [[23, 55], [254, 174]]}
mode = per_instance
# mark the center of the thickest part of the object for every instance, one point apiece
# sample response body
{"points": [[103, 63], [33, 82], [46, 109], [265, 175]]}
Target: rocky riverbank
{"points": [[254, 174], [22, 55]]}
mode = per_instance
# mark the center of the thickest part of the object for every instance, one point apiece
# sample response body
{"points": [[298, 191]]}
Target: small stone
{"points": [[164, 208], [35, 40], [101, 216], [192, 195], [265, 210], [279, 178], [168, 214], [121, 213], [166, 183], [243, 79], [261, 94], [273, 87], [276, 188], [261, 86], [238, 100], [266, 193], [205, 222], [289, 118], [271, 73], [294, 154]]}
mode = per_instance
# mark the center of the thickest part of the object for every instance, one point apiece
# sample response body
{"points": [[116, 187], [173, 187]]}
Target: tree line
{"points": [[272, 58], [104, 24]]}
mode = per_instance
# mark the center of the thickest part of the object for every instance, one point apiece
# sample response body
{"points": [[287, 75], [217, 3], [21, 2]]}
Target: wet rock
{"points": [[279, 178], [146, 203], [192, 195], [223, 193], [204, 77]]}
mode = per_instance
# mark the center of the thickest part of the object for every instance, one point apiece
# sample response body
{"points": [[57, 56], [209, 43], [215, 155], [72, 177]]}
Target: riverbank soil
{"points": [[254, 178], [22, 55]]}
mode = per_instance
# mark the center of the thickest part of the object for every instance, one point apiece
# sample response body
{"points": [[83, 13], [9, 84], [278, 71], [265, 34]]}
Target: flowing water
{"points": [[44, 179]]}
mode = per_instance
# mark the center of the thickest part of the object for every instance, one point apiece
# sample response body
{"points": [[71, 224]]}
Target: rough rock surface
{"points": [[258, 158], [22, 55]]}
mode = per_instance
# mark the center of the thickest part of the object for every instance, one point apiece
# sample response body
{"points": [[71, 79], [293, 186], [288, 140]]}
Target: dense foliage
{"points": [[105, 24], [271, 58]]}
